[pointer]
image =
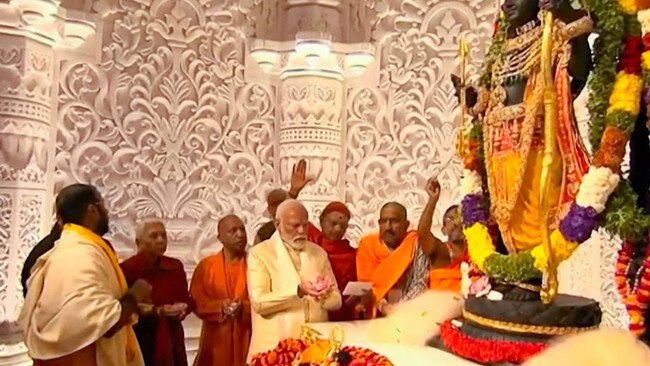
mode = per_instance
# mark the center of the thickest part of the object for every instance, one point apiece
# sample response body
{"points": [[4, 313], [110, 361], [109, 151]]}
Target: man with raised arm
{"points": [[444, 258]]}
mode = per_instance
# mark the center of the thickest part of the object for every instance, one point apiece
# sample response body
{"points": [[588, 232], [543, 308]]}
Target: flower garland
{"points": [[643, 17], [636, 298], [597, 185], [487, 351], [286, 352]]}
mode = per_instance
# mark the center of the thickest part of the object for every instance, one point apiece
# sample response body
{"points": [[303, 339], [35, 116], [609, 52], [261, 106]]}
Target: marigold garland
{"points": [[286, 352], [637, 297]]}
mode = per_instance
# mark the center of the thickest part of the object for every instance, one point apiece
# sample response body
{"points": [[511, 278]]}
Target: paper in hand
{"points": [[357, 288]]}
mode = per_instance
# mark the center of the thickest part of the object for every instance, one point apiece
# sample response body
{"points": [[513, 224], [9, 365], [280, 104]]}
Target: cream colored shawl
{"points": [[72, 301]]}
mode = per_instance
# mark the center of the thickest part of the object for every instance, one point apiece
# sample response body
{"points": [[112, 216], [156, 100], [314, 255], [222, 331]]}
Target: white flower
{"points": [[494, 296], [470, 183], [644, 19], [596, 187]]}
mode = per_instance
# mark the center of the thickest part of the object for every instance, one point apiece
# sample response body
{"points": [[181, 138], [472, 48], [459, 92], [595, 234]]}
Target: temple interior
{"points": [[190, 110]]}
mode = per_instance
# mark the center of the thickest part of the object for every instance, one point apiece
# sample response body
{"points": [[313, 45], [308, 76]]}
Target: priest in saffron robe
{"points": [[221, 296], [392, 260], [334, 223], [444, 258], [159, 329], [79, 310]]}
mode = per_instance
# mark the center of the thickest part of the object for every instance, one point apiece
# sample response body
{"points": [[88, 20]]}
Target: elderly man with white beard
{"points": [[290, 281]]}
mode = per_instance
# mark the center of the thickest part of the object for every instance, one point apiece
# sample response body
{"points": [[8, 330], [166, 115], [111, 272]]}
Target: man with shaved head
{"points": [[392, 260], [273, 200], [160, 328], [290, 281], [221, 296]]}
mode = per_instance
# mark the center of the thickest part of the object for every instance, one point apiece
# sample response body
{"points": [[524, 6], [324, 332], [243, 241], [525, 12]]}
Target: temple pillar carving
{"points": [[312, 73], [30, 34]]}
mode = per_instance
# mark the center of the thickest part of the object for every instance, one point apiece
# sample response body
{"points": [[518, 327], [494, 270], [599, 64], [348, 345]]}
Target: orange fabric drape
{"points": [[224, 340], [376, 264], [447, 278]]}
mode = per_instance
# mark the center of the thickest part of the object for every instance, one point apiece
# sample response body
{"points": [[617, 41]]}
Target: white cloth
{"points": [[73, 300], [277, 311]]}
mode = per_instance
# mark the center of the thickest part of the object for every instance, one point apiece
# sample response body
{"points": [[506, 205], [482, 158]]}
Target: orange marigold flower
{"points": [[612, 149]]}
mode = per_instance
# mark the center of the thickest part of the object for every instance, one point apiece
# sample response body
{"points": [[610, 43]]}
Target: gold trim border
{"points": [[524, 328]]}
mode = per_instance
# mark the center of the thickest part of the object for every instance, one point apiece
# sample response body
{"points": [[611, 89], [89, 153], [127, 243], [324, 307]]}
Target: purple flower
{"points": [[647, 95], [473, 211], [579, 223]]}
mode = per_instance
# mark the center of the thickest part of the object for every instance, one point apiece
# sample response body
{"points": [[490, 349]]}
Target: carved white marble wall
{"points": [[403, 130], [169, 114]]}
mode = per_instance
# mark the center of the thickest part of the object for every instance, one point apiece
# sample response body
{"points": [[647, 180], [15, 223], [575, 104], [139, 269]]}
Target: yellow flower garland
{"points": [[628, 6], [482, 247], [479, 244], [625, 96], [645, 57]]}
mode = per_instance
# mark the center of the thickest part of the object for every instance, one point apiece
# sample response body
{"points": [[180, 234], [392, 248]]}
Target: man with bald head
{"points": [[160, 328], [273, 200], [290, 281], [221, 296], [392, 260]]}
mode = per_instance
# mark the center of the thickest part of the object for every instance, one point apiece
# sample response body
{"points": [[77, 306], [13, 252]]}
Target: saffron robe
{"points": [[446, 279], [224, 340], [161, 339], [377, 264], [273, 279], [72, 302], [343, 261]]}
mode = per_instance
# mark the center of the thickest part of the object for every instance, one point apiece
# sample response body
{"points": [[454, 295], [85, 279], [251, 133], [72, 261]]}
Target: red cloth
{"points": [[336, 207], [343, 260], [161, 340]]}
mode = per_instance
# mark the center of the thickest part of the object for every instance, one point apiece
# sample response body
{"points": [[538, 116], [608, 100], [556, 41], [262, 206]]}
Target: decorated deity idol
{"points": [[528, 174], [510, 107]]}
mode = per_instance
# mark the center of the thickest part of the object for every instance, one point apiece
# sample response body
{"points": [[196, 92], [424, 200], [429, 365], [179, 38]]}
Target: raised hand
{"points": [[433, 189], [470, 93], [299, 178]]}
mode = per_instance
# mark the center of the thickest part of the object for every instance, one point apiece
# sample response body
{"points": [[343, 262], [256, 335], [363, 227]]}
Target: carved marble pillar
{"points": [[311, 73], [30, 32], [311, 128]]}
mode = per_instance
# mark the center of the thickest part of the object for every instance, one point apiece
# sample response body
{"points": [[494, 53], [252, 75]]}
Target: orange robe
{"points": [[224, 340], [376, 264], [447, 278]]}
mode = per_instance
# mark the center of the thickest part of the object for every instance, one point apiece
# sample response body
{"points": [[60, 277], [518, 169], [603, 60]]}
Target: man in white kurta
{"points": [[282, 272], [78, 310]]}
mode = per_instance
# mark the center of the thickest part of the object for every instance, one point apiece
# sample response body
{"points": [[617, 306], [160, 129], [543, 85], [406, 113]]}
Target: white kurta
{"points": [[277, 311], [73, 300]]}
